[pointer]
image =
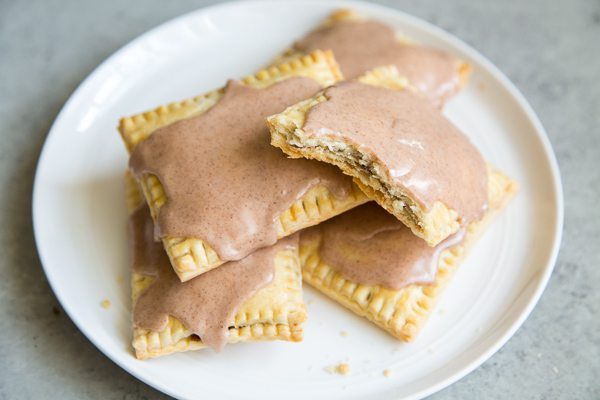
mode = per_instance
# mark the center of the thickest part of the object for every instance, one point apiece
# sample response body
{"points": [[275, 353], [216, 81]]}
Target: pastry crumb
{"points": [[105, 304], [340, 369], [344, 368], [387, 373], [555, 369], [343, 333]]}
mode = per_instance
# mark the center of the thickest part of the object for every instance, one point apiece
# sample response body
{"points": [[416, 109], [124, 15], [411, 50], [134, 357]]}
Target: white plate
{"points": [[79, 218]]}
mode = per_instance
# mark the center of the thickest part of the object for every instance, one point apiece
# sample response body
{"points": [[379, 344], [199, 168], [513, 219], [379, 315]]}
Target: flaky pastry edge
{"points": [[403, 312], [275, 312], [432, 225], [191, 256]]}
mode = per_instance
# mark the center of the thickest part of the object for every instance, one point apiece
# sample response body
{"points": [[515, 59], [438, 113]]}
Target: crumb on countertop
{"points": [[340, 369], [343, 333], [387, 373], [105, 304], [555, 369]]}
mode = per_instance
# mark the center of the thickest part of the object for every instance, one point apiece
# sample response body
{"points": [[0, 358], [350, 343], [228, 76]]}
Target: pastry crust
{"points": [[347, 15], [402, 312], [276, 312], [433, 225], [319, 65], [193, 256]]}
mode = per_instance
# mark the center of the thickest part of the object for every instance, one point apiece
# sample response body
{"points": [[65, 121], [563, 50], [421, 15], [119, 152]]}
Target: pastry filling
{"points": [[408, 148], [224, 182], [367, 245], [368, 172], [205, 305], [360, 46]]}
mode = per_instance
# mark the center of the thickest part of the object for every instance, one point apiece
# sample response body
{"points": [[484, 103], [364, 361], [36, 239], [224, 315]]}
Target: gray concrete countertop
{"points": [[549, 49]]}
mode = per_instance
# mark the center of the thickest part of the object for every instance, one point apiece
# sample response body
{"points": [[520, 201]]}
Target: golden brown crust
{"points": [[347, 15], [342, 15], [275, 312], [433, 225], [190, 256], [402, 312], [319, 65]]}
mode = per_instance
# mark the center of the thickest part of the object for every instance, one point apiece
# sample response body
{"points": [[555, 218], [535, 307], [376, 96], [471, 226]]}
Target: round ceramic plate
{"points": [[80, 218]]}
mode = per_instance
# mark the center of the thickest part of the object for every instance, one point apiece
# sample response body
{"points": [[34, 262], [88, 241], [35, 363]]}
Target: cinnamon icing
{"points": [[368, 245], [224, 182], [207, 304], [420, 150], [359, 46]]}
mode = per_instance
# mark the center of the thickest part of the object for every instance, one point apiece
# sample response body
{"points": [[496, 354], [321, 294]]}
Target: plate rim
{"points": [[494, 71]]}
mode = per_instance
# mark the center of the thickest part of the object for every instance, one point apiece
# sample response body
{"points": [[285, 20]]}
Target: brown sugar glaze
{"points": [[224, 182], [205, 305], [360, 46], [368, 245], [420, 150]]}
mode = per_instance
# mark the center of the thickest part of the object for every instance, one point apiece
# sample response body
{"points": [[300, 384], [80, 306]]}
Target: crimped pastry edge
{"points": [[346, 15], [432, 225], [276, 312], [402, 313], [190, 256]]}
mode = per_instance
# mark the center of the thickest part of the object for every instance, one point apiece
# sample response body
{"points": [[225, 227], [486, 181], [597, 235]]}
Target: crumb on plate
{"points": [[340, 369]]}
